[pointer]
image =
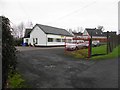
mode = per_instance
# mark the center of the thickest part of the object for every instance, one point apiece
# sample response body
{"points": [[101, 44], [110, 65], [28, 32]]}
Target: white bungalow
{"points": [[43, 35]]}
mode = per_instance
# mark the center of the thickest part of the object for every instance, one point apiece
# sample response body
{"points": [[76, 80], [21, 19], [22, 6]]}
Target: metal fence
{"points": [[112, 41]]}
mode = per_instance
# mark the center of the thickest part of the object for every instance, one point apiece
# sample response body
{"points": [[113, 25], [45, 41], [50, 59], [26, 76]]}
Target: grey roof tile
{"points": [[27, 33], [53, 30], [95, 32]]}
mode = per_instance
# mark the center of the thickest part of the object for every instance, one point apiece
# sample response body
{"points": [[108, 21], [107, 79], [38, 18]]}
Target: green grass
{"points": [[80, 54], [99, 50], [111, 55], [97, 53], [15, 80]]}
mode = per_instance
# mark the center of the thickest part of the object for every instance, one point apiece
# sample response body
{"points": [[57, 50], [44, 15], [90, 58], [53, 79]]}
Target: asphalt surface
{"points": [[49, 67], [0, 67]]}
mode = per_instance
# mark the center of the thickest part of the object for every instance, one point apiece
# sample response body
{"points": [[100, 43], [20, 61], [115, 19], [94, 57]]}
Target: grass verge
{"points": [[78, 54], [15, 80], [113, 54], [97, 53]]}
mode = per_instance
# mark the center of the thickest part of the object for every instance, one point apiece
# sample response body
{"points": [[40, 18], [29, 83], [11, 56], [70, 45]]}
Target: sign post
{"points": [[65, 44], [90, 46]]}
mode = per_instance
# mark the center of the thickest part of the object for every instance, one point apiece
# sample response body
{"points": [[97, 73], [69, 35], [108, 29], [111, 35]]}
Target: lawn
{"points": [[99, 52], [102, 50]]}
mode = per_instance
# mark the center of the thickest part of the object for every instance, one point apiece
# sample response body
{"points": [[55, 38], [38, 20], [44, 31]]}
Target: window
{"points": [[33, 40], [58, 40], [63, 40], [26, 40], [50, 39], [36, 41], [68, 40]]}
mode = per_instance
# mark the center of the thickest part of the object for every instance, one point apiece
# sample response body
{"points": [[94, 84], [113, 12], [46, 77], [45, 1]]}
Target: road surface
{"points": [[49, 67]]}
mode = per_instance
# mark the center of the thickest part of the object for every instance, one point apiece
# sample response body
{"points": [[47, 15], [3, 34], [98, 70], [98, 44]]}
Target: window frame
{"points": [[58, 40], [50, 40]]}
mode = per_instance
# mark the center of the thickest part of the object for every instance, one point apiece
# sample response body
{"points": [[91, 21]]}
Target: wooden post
{"points": [[112, 42], [90, 46], [65, 44], [107, 42]]}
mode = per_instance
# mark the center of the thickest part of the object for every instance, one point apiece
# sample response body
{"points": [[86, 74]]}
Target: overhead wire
{"points": [[74, 12]]}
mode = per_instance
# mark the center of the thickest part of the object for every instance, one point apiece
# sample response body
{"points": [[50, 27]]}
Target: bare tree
{"points": [[29, 24], [21, 28], [70, 31], [78, 29], [75, 31], [100, 27], [15, 31], [81, 29]]}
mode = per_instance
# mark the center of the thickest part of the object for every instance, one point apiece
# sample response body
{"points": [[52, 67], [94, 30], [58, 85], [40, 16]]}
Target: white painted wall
{"points": [[102, 37], [38, 33], [43, 38], [85, 32], [54, 39], [86, 35], [25, 40]]}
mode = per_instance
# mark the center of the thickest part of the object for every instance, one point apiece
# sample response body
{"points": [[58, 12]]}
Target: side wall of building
{"points": [[38, 34], [26, 40]]}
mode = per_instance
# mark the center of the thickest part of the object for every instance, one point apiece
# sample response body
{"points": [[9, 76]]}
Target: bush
{"points": [[18, 41], [8, 51]]}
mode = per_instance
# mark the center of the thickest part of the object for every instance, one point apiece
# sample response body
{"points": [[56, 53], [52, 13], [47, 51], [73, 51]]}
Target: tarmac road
{"points": [[49, 67]]}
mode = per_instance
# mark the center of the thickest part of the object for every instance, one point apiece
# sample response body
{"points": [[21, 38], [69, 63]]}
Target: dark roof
{"points": [[27, 33], [77, 34], [53, 30], [110, 33], [95, 32]]}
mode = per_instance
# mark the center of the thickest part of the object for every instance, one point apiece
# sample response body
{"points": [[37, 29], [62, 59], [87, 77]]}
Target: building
{"points": [[95, 33], [112, 33], [27, 35], [76, 35], [43, 35]]}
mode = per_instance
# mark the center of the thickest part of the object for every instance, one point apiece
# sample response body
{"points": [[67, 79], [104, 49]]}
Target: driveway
{"points": [[49, 67], [0, 67]]}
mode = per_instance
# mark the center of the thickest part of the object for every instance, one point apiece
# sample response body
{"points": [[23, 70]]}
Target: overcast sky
{"points": [[63, 13]]}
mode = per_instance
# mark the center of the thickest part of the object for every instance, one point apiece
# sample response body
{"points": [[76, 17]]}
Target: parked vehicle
{"points": [[86, 43], [75, 45], [95, 43], [71, 46], [81, 44]]}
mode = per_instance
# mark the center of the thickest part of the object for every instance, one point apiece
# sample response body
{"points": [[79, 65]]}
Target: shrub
{"points": [[18, 41], [8, 51]]}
